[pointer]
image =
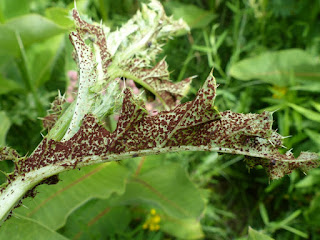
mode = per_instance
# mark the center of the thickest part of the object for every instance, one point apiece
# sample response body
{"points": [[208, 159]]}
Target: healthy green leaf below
{"points": [[279, 67], [57, 202]]}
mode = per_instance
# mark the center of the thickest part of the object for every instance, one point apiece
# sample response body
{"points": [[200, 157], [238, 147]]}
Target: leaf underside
{"points": [[195, 125]]}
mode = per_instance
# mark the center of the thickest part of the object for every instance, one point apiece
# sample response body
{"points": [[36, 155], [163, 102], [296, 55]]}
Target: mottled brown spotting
{"points": [[96, 31], [7, 153], [157, 78], [194, 123]]}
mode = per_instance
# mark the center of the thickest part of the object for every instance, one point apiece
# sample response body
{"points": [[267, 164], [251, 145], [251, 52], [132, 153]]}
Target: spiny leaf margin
{"points": [[194, 125]]}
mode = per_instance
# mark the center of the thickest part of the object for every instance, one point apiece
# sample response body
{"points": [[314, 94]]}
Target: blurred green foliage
{"points": [[266, 57]]}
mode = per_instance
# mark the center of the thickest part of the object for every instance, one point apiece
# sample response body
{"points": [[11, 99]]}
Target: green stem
{"points": [[185, 65], [116, 72], [144, 85], [26, 76], [61, 126], [103, 10], [2, 20]]}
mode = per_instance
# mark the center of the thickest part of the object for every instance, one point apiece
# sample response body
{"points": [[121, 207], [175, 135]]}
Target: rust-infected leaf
{"points": [[284, 164], [157, 80], [53, 113], [136, 131], [95, 34], [134, 63], [194, 125], [7, 153]]}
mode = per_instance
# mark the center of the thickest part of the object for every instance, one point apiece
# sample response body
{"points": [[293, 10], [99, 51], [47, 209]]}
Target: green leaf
{"points": [[57, 202], [264, 213], [296, 231], [4, 127], [255, 235], [34, 28], [312, 115], [8, 85], [7, 167], [312, 214], [315, 136], [8, 41], [15, 8], [96, 219], [41, 58], [183, 228], [143, 190], [308, 87], [313, 178], [290, 218], [19, 227], [194, 16], [316, 105], [284, 224], [278, 67], [60, 16], [167, 188]]}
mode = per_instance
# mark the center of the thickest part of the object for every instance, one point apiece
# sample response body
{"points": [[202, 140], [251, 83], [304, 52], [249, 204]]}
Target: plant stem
{"points": [[104, 10], [116, 72], [61, 126], [17, 189], [2, 20]]}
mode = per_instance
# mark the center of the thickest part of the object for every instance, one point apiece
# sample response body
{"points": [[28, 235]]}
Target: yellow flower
{"points": [[153, 221], [152, 227], [156, 219], [153, 211]]}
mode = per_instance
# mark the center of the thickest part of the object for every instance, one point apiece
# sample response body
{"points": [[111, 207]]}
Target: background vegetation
{"points": [[266, 57]]}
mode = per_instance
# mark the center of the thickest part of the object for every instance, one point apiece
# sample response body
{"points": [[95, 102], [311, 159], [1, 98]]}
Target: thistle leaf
{"points": [[195, 125], [57, 107], [157, 80], [7, 153], [284, 164], [130, 51]]}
